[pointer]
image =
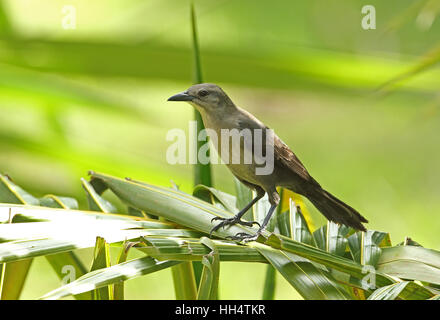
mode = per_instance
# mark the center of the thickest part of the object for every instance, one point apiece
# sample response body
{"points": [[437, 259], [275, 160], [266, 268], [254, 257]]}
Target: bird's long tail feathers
{"points": [[335, 210]]}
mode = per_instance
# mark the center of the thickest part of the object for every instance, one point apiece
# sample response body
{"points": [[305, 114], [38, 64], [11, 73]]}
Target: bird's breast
{"points": [[236, 148]]}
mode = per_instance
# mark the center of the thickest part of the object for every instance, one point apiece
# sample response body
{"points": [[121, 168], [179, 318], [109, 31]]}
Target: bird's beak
{"points": [[183, 96]]}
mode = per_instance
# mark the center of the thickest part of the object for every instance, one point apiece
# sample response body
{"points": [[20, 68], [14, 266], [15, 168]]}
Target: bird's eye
{"points": [[203, 93]]}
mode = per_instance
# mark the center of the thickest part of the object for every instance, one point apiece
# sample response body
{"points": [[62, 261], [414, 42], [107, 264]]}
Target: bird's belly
{"points": [[237, 152], [248, 173], [245, 172]]}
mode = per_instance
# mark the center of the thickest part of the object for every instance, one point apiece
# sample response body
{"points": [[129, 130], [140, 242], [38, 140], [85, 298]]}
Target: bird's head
{"points": [[205, 97]]}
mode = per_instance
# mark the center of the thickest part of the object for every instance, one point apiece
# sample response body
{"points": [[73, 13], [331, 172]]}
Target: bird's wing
{"points": [[286, 158], [283, 155]]}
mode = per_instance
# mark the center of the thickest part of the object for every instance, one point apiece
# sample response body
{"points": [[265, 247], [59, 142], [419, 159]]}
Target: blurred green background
{"points": [[94, 97]]}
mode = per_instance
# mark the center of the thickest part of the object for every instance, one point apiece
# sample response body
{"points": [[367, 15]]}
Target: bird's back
{"points": [[286, 165]]}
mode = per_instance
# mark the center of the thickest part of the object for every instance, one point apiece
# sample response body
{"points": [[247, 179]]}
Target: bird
{"points": [[220, 114]]}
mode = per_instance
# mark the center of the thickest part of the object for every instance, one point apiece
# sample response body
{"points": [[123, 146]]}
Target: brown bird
{"points": [[220, 115]]}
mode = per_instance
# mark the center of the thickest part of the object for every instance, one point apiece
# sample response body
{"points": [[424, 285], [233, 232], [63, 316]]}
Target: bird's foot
{"points": [[245, 237], [231, 221]]}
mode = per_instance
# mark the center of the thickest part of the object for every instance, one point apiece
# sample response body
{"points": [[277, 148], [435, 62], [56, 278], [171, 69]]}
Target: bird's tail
{"points": [[335, 210]]}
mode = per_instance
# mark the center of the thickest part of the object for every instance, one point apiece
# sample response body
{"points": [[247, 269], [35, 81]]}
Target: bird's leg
{"points": [[274, 199], [237, 218], [242, 236]]}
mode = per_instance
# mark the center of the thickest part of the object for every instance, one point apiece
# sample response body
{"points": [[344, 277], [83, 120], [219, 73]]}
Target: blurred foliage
{"points": [[95, 97]]}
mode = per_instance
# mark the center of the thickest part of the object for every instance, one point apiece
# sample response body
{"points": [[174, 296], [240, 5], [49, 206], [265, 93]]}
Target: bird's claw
{"points": [[231, 221], [217, 218], [245, 237]]}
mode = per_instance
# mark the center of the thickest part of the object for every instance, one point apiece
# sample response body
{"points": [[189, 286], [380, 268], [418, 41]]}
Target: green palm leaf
{"points": [[365, 246], [306, 277], [202, 173], [53, 201], [411, 262], [292, 224], [191, 249], [118, 287], [108, 276], [95, 201], [269, 283], [184, 281], [405, 290], [101, 260], [52, 238], [168, 203], [208, 288], [332, 238], [308, 280], [220, 199], [315, 273], [194, 213], [14, 276], [26, 213]]}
